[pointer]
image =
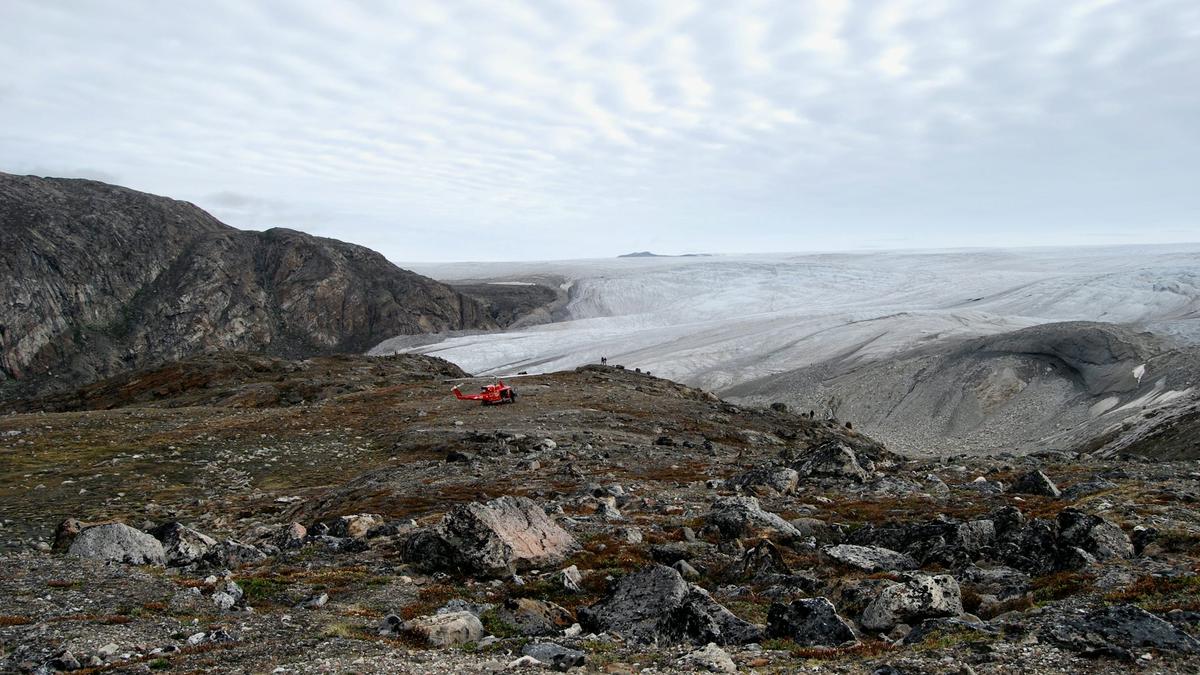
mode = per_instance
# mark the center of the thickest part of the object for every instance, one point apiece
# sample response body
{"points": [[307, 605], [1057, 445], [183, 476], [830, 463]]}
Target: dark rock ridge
{"points": [[101, 279]]}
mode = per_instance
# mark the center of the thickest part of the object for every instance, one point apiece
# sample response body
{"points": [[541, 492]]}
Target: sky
{"points": [[512, 130]]}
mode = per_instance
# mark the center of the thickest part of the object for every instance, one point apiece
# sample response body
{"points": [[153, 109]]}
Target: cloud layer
{"points": [[486, 130]]}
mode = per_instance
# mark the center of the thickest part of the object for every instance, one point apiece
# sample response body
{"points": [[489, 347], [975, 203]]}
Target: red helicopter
{"points": [[492, 394]]}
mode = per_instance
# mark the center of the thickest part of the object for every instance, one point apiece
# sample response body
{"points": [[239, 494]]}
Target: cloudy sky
{"points": [[498, 130]]}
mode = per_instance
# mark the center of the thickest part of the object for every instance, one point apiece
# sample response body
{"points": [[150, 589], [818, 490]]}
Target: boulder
{"points": [[708, 659], [355, 526], [870, 558], [120, 543], [571, 579], [554, 655], [737, 517], [917, 597], [66, 532], [534, 617], [656, 605], [232, 553], [499, 538], [292, 536], [183, 545], [1116, 630], [811, 622], [781, 479], [833, 459], [445, 630], [1093, 534], [1035, 483]]}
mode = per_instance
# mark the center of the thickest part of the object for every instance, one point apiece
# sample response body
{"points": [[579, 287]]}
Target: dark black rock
{"points": [[656, 605], [812, 622]]}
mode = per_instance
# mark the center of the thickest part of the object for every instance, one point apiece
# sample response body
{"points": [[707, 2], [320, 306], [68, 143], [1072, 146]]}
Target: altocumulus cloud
{"points": [[486, 130]]}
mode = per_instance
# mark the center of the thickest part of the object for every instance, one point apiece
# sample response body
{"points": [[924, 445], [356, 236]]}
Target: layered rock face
{"points": [[101, 279]]}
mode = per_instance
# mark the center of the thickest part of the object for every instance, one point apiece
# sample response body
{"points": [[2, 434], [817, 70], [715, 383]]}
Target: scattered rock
{"points": [[811, 622]]}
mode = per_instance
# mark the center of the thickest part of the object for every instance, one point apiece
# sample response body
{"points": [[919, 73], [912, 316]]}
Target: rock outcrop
{"points": [[656, 605], [103, 279], [494, 538]]}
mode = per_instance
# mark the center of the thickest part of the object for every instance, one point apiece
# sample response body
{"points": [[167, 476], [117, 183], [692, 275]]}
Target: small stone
{"points": [[711, 658], [554, 655]]}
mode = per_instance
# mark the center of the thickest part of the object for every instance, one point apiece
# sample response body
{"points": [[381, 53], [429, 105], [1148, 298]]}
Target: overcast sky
{"points": [[530, 130]]}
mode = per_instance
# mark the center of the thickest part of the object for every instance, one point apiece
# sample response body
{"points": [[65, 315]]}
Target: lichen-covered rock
{"points": [[833, 459], [917, 597], [445, 630], [810, 622], [656, 605], [708, 659], [355, 526], [736, 517], [183, 545], [1115, 630], [870, 558], [1093, 534], [554, 655], [534, 617], [499, 537], [120, 543], [781, 479]]}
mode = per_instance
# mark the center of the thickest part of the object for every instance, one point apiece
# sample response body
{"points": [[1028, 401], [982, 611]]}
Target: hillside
{"points": [[1053, 386], [101, 279], [347, 514]]}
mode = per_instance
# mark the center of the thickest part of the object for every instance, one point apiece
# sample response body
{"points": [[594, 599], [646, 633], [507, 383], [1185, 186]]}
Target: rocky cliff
{"points": [[100, 279]]}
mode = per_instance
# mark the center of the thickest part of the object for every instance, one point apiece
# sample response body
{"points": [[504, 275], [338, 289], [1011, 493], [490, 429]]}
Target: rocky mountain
{"points": [[101, 279], [1071, 385]]}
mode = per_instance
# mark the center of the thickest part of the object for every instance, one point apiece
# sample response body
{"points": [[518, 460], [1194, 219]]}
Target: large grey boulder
{"points": [[737, 517], [811, 622], [871, 558], [494, 538], [656, 606], [183, 545], [916, 598], [119, 543]]}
